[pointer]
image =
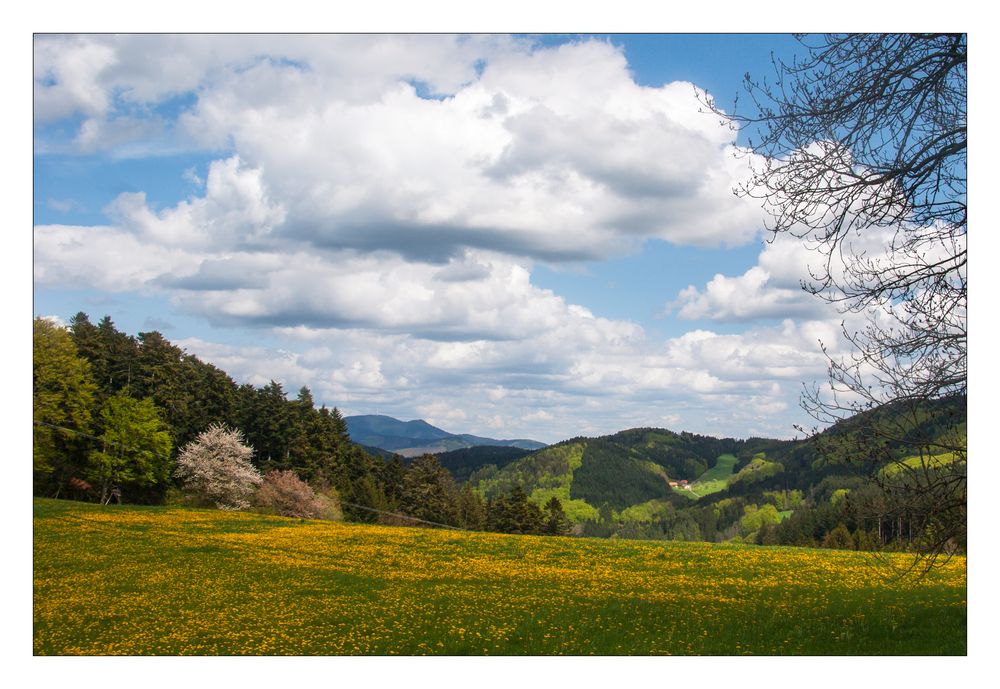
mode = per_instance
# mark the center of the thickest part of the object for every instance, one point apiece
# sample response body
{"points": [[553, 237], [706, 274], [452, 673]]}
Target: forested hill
{"points": [[618, 471], [655, 483], [412, 438]]}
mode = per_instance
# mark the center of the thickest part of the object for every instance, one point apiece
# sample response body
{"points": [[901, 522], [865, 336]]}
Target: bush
{"points": [[284, 493], [839, 538]]}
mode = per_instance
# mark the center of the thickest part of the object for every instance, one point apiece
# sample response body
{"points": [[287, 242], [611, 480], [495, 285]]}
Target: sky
{"points": [[517, 236]]}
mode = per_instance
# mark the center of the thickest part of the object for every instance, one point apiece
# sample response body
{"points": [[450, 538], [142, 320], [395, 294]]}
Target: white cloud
{"points": [[773, 288], [747, 297], [389, 237], [548, 152], [67, 72], [235, 211], [550, 385], [443, 414], [101, 257]]}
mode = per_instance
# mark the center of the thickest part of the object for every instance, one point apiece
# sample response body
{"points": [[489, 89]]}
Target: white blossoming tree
{"points": [[215, 468]]}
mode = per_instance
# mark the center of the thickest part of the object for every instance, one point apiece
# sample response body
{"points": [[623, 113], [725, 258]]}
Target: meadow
{"points": [[713, 480], [160, 580]]}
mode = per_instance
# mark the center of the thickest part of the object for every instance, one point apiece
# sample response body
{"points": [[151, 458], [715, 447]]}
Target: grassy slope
{"points": [[713, 480], [922, 463], [125, 580]]}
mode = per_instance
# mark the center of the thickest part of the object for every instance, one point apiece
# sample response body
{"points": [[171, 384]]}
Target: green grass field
{"points": [[713, 480], [922, 463], [156, 580]]}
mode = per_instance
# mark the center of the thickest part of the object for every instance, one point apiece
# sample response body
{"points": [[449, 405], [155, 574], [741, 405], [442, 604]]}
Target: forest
{"points": [[112, 413], [127, 419]]}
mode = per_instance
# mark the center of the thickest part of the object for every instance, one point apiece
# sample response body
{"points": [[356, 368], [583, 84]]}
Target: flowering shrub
{"points": [[215, 468], [284, 493]]}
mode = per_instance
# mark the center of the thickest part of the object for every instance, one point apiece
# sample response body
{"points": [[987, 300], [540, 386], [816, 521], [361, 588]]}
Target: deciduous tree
{"points": [[284, 493], [215, 468], [63, 394], [860, 150], [135, 446]]}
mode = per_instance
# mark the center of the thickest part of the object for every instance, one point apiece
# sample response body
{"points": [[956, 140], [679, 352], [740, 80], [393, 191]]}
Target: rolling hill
{"points": [[417, 437], [621, 470], [631, 472]]}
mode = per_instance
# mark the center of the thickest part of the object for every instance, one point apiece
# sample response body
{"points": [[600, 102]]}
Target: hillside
{"points": [[655, 483], [620, 470], [412, 438], [462, 463], [123, 580]]}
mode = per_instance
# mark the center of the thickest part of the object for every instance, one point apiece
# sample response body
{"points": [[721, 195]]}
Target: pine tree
{"points": [[556, 522], [429, 492], [514, 513]]}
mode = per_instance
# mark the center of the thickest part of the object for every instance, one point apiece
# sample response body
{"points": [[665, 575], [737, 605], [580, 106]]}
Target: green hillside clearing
{"points": [[923, 463], [713, 480]]}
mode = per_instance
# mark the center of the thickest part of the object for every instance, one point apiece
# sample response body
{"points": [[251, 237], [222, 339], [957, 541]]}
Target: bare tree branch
{"points": [[860, 139]]}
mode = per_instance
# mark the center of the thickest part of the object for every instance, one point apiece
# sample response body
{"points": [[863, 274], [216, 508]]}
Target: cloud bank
{"points": [[379, 203]]}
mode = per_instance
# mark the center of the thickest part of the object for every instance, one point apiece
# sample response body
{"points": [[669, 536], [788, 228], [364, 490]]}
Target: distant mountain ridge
{"points": [[412, 438]]}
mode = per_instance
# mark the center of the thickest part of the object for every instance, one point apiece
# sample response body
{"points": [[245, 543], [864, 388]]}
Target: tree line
{"points": [[113, 413]]}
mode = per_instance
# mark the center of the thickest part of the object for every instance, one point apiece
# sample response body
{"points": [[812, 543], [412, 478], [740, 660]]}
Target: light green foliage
{"points": [[576, 510], [755, 517], [925, 463], [63, 392], [648, 511], [135, 446], [757, 470], [784, 500], [548, 471], [839, 495]]}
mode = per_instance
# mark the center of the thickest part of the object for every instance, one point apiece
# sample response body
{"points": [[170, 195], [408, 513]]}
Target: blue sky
{"points": [[528, 236]]}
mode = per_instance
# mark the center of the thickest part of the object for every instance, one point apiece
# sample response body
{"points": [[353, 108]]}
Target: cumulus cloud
{"points": [[234, 212], [746, 297], [67, 72], [773, 288], [102, 257], [379, 203], [554, 153], [550, 385], [596, 159]]}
